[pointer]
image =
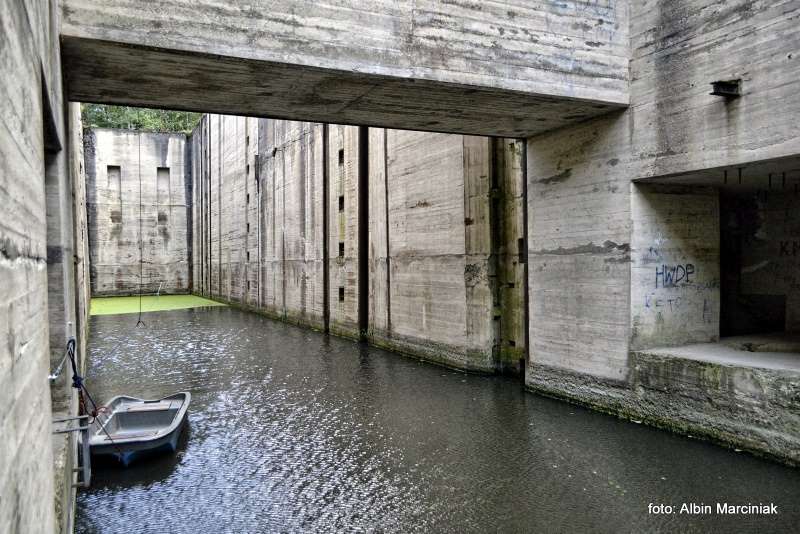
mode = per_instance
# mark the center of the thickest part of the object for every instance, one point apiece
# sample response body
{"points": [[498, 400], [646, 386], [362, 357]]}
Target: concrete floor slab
{"points": [[779, 351]]}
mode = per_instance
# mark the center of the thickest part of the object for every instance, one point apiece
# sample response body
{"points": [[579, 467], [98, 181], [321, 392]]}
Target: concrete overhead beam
{"points": [[513, 69]]}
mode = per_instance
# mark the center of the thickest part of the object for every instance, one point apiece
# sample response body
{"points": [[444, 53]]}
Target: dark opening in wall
{"points": [[341, 249], [162, 184], [247, 229], [247, 169], [248, 261], [341, 202], [759, 251], [247, 198], [114, 177], [341, 156], [362, 250], [341, 294]]}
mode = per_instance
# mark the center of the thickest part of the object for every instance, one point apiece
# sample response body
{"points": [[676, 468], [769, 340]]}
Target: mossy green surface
{"points": [[150, 303]]}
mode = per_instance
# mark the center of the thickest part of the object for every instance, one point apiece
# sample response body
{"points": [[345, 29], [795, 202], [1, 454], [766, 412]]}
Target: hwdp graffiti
{"points": [[672, 275]]}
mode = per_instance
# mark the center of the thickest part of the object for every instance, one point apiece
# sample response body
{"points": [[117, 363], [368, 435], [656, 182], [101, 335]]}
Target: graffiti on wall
{"points": [[674, 275], [667, 304], [691, 297]]}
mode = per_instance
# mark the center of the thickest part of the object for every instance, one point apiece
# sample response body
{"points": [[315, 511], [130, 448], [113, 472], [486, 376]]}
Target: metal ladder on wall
{"points": [[84, 469]]}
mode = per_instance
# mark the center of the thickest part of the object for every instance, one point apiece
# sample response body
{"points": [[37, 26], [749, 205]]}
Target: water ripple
{"points": [[293, 431]]}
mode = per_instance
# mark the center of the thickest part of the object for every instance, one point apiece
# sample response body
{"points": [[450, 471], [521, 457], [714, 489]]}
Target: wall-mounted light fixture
{"points": [[726, 88]]}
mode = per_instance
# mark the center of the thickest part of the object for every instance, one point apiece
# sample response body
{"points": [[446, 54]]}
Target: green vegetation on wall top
{"points": [[144, 119]]}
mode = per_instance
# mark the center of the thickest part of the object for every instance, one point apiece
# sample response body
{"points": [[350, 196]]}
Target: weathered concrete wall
{"points": [[513, 71], [591, 229], [506, 68], [74, 296], [26, 458], [508, 222], [432, 276], [579, 250], [291, 177], [201, 213], [42, 253], [454, 288], [678, 49], [674, 126], [263, 218], [271, 206], [121, 165], [343, 251], [750, 405], [77, 169]]}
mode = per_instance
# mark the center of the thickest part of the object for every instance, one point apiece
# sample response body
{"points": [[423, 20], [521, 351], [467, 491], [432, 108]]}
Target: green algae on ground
{"points": [[150, 303]]}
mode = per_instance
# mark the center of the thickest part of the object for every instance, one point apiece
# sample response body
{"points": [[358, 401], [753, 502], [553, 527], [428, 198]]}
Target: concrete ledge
{"points": [[749, 408]]}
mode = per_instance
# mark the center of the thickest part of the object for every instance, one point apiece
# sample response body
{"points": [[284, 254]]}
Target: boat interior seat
{"points": [[151, 407], [128, 435]]}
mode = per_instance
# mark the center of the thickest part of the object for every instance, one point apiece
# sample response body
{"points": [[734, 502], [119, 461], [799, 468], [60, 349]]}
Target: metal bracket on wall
{"points": [[726, 88]]}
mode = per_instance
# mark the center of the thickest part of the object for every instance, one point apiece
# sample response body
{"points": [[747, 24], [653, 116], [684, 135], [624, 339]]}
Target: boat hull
{"points": [[128, 453], [130, 429]]}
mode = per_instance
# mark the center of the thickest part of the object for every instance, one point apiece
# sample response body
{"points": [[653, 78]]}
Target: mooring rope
{"points": [[77, 383], [139, 321]]}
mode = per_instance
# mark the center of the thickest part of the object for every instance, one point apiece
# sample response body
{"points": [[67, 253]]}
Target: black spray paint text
{"points": [[672, 275]]}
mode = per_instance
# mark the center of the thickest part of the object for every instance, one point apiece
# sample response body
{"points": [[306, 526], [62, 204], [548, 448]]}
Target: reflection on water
{"points": [[291, 430]]}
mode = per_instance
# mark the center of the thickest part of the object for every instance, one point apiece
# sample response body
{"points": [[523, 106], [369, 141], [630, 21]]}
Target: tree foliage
{"points": [[144, 119]]}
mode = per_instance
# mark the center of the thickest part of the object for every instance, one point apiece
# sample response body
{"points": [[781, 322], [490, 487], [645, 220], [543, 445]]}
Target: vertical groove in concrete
{"points": [[523, 258], [274, 251], [209, 264], [302, 187], [326, 282], [188, 180], [363, 230], [283, 231], [496, 220], [219, 206], [246, 203], [260, 185], [386, 222]]}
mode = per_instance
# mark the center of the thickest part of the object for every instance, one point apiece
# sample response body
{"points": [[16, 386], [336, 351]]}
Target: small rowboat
{"points": [[129, 428]]}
